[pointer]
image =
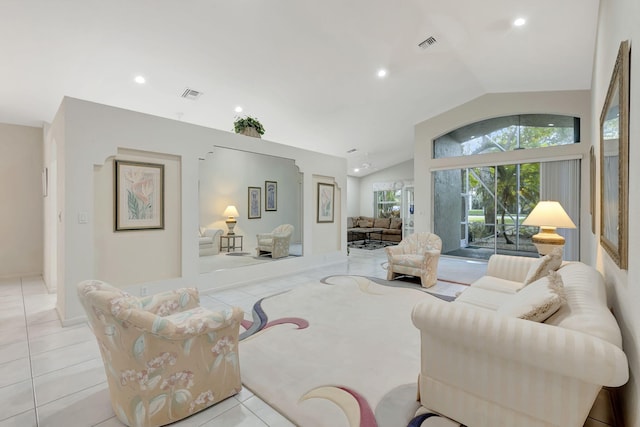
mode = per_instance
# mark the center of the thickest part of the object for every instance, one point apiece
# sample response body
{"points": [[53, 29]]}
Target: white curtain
{"points": [[560, 181]]}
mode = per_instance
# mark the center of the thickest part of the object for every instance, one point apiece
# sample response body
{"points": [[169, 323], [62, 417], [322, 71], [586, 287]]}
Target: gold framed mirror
{"points": [[614, 162]]}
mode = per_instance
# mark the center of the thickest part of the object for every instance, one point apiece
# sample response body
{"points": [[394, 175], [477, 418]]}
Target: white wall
{"points": [[618, 21], [21, 226], [353, 196], [226, 174], [88, 135], [401, 174], [124, 257]]}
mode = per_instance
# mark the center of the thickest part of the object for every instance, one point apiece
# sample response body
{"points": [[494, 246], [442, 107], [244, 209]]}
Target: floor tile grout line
{"points": [[33, 386]]}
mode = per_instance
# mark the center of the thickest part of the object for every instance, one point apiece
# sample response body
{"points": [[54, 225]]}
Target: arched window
{"points": [[516, 132]]}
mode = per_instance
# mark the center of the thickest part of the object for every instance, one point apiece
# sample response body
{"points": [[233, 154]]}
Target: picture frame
{"points": [[254, 203], [614, 162], [326, 199], [270, 196], [592, 188], [139, 195]]}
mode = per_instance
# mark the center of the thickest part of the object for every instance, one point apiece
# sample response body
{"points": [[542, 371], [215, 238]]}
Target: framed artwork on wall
{"points": [[255, 208], [614, 162], [270, 196], [139, 196], [326, 194]]}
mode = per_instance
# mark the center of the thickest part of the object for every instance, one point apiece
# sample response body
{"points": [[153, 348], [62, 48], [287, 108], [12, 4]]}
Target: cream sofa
{"points": [[484, 368]]}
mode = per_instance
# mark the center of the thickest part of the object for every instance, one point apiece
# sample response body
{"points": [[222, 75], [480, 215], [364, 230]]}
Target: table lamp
{"points": [[231, 212], [548, 215]]}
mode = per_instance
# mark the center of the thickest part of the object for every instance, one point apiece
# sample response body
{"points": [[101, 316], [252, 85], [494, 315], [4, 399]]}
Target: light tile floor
{"points": [[54, 377]]}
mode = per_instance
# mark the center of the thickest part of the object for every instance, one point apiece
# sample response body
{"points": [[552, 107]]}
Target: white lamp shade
{"points": [[231, 211], [549, 214]]}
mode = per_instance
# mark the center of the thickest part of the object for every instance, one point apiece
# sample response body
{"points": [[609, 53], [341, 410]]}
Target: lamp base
{"points": [[231, 223], [547, 240]]}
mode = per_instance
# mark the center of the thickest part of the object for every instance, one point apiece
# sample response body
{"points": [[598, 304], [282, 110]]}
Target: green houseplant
{"points": [[248, 126]]}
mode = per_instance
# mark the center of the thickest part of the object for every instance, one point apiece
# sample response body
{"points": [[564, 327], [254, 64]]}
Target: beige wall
{"points": [[400, 174], [618, 21], [21, 219]]}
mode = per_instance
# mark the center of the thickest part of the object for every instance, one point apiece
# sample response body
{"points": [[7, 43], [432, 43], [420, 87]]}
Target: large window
{"points": [[387, 203], [517, 132]]}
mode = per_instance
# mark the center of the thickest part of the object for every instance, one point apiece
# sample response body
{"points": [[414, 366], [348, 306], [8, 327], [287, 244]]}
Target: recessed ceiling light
{"points": [[140, 80], [238, 109], [519, 22], [356, 170], [382, 72]]}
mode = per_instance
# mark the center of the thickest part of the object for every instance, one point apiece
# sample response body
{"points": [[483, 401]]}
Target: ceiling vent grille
{"points": [[428, 42], [353, 150], [191, 94]]}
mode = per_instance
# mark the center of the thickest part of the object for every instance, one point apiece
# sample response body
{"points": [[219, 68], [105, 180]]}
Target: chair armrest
{"points": [[183, 325], [213, 232], [393, 250], [264, 235], [166, 303], [493, 338]]}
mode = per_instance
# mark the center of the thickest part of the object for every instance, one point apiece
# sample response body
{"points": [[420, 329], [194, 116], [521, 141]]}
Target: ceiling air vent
{"points": [[191, 94], [428, 42], [353, 150]]}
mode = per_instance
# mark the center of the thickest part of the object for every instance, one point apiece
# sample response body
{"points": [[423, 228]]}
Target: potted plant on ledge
{"points": [[249, 126]]}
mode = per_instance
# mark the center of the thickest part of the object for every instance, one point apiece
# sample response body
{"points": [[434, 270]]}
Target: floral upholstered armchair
{"points": [[277, 242], [416, 255], [165, 357]]}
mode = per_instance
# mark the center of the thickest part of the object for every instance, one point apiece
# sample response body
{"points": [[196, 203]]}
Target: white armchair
{"points": [[416, 255], [277, 242], [209, 241]]}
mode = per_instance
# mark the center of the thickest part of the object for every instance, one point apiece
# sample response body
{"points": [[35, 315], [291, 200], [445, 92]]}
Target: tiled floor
{"points": [[53, 376]]}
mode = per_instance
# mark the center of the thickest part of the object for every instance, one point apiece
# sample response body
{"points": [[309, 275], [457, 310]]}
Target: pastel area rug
{"points": [[341, 352]]}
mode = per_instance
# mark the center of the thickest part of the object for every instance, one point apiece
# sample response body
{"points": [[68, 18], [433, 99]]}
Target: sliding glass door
{"points": [[479, 211]]}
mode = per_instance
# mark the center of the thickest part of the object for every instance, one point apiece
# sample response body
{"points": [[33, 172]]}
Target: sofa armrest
{"points": [[170, 302], [534, 346], [508, 267]]}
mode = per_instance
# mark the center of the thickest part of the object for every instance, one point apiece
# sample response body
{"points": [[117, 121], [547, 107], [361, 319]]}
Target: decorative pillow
{"points": [[349, 222], [550, 262], [538, 301], [365, 222], [381, 223], [396, 224]]}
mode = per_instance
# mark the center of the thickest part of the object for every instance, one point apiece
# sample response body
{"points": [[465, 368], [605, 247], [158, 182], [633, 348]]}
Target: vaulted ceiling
{"points": [[306, 69]]}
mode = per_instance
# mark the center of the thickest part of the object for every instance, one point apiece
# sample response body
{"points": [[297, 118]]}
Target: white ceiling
{"points": [[306, 69]]}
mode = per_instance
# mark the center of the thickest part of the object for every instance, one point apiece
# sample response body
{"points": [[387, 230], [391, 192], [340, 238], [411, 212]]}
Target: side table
{"points": [[231, 240]]}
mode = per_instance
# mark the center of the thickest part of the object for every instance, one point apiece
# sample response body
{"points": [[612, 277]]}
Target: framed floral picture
{"points": [[255, 208], [139, 196], [270, 196], [325, 202]]}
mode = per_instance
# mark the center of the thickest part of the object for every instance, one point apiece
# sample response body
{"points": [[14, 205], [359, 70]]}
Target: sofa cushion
{"points": [[381, 222], [537, 301], [542, 266], [483, 298], [497, 284], [365, 222], [396, 224]]}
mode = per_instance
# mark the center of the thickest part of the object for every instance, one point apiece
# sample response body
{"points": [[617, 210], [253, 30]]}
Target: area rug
{"points": [[342, 353], [370, 245]]}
